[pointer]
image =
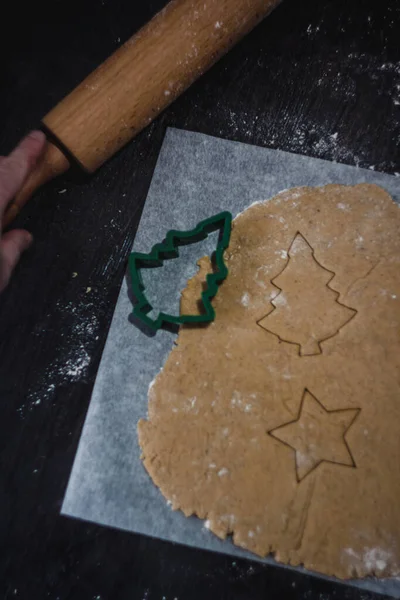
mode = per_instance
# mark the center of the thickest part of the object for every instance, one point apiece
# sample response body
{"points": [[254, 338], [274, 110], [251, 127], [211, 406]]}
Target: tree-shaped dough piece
{"points": [[306, 310]]}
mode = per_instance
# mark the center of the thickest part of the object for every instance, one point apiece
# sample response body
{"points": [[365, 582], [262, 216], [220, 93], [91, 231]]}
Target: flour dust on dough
{"points": [[295, 453]]}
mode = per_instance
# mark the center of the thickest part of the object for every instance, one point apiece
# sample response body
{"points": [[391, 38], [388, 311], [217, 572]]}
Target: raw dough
{"points": [[293, 453]]}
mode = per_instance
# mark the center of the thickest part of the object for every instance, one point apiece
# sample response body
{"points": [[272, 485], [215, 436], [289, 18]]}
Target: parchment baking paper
{"points": [[196, 176]]}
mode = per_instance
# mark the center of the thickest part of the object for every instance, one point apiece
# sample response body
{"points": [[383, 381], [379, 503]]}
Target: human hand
{"points": [[14, 170]]}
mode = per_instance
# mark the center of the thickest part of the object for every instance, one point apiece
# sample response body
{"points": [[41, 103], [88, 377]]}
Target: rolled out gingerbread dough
{"points": [[279, 422]]}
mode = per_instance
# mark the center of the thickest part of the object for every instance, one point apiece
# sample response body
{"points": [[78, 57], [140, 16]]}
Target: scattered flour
{"points": [[359, 240], [238, 402], [230, 519], [75, 367], [302, 459], [374, 560], [223, 471], [245, 299], [192, 402], [279, 300], [79, 329], [316, 133]]}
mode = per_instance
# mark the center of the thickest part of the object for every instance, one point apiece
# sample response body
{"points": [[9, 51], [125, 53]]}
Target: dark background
{"points": [[312, 70]]}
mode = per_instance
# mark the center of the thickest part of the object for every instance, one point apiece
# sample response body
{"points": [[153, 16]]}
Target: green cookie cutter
{"points": [[169, 249]]}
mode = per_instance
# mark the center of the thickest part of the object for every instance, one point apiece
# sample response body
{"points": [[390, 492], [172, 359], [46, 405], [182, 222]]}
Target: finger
{"points": [[15, 168], [11, 247]]}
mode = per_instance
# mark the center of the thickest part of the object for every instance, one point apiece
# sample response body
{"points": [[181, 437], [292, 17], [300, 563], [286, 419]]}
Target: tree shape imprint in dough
{"points": [[317, 435], [306, 311]]}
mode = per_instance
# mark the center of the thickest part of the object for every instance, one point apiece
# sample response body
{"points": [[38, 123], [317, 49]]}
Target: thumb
{"points": [[12, 245], [15, 168]]}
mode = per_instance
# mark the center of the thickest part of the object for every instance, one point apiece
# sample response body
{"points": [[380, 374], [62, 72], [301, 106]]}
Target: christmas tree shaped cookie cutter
{"points": [[169, 249]]}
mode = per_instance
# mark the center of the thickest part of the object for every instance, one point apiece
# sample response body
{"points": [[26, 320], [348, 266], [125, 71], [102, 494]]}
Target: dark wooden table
{"points": [[318, 77]]}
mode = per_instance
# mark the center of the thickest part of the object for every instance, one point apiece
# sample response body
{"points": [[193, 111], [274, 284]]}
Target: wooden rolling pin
{"points": [[138, 81]]}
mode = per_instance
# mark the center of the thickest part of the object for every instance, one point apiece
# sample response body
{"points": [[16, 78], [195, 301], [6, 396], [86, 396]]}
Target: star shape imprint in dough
{"points": [[317, 435]]}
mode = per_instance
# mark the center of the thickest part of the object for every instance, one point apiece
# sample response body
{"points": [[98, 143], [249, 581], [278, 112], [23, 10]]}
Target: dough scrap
{"points": [[226, 438]]}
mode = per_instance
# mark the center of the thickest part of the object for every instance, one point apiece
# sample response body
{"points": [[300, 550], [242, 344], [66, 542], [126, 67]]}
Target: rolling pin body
{"points": [[147, 73], [138, 81]]}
